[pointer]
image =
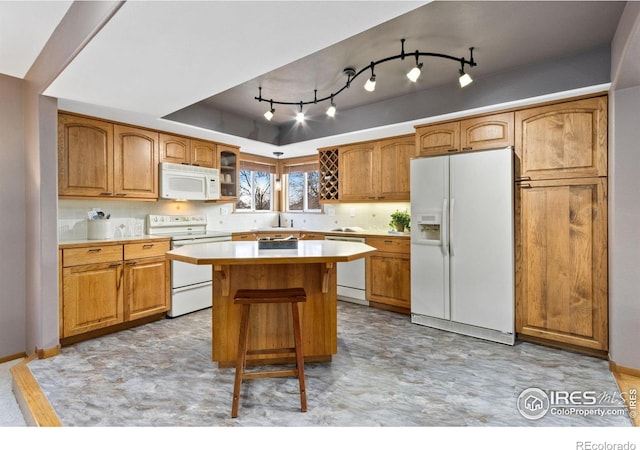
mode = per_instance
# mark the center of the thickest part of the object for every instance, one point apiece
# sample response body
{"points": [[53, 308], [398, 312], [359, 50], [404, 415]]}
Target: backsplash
{"points": [[129, 218]]}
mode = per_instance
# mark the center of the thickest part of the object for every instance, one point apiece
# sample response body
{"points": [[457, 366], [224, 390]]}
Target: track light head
{"points": [[269, 114], [331, 111], [414, 73], [300, 115], [465, 79]]}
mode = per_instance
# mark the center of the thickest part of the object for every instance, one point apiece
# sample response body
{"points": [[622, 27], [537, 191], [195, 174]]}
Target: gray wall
{"points": [[624, 230], [12, 219], [624, 198]]}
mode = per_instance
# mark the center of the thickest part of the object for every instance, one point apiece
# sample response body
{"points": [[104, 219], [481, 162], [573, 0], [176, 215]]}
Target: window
{"points": [[255, 187], [302, 186]]}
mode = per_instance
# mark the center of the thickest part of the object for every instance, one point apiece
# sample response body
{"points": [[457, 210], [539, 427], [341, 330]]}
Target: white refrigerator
{"points": [[462, 244]]}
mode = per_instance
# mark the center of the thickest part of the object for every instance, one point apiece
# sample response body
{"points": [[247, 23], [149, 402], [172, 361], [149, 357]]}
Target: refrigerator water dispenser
{"points": [[428, 227]]}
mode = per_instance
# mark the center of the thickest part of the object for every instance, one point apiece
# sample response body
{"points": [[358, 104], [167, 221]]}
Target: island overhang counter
{"points": [[242, 265]]}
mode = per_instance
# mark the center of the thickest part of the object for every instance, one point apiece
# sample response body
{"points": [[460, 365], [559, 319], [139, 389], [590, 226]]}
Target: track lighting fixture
{"points": [[414, 73], [352, 74]]}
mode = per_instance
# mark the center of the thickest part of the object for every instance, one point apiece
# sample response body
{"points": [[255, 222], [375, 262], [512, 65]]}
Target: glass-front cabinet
{"points": [[229, 158]]}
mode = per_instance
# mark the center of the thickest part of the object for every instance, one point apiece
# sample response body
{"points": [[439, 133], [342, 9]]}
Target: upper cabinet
{"points": [[85, 157], [478, 133], [376, 170], [175, 149], [566, 140], [229, 158], [182, 150], [100, 159], [328, 160], [204, 153], [135, 160]]}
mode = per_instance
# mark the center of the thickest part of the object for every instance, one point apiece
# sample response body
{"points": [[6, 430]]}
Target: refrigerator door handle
{"points": [[444, 232], [451, 226]]}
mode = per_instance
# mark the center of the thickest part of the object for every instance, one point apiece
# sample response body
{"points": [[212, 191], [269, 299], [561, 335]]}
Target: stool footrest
{"points": [[267, 351], [271, 374]]}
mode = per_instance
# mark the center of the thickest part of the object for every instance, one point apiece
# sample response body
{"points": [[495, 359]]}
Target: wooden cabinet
{"points": [[135, 162], [229, 158], [146, 279], [561, 224], [328, 161], [85, 157], [100, 159], [561, 261], [183, 150], [311, 236], [566, 140], [243, 236], [477, 133], [388, 274], [92, 294], [376, 170], [175, 149], [358, 172], [204, 153], [104, 286]]}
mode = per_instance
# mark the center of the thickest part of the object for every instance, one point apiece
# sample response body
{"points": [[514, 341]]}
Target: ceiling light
{"points": [[331, 111], [465, 79], [370, 85], [278, 185], [414, 73], [300, 115], [269, 114]]}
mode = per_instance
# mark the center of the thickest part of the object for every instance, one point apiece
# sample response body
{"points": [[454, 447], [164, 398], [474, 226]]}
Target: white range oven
{"points": [[191, 285]]}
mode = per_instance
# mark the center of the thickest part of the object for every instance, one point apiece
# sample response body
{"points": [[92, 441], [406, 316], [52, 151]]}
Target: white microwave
{"points": [[184, 182]]}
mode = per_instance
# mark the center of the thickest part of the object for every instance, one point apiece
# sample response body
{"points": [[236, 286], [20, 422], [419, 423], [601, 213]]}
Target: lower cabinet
{"points": [[561, 262], [388, 279], [108, 285]]}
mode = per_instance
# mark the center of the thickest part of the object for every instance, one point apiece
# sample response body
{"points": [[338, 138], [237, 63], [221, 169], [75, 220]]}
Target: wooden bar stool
{"points": [[248, 297]]}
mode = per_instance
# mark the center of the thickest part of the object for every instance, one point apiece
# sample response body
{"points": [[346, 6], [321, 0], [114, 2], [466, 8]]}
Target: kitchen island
{"points": [[242, 265]]}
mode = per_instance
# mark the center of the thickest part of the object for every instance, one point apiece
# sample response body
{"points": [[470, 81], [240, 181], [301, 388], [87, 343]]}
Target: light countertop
{"points": [[235, 252]]}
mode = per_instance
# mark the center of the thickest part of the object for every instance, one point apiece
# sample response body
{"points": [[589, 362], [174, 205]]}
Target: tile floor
{"points": [[387, 372]]}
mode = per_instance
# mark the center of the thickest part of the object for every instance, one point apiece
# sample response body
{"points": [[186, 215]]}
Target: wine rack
{"points": [[328, 163]]}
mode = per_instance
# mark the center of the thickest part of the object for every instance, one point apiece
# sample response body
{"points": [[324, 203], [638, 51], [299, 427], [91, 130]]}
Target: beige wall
{"points": [[12, 219]]}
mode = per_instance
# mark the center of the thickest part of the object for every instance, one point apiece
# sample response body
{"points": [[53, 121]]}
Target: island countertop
{"points": [[238, 253]]}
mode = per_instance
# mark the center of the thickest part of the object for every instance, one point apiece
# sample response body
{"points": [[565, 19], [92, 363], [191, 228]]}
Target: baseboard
{"points": [[5, 359], [613, 367], [44, 353], [34, 405]]}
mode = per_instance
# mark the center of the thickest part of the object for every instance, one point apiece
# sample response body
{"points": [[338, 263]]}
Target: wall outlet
{"points": [[224, 211], [352, 212]]}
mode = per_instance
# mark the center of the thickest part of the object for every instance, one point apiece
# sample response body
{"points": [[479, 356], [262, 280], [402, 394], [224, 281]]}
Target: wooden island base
{"points": [[270, 326]]}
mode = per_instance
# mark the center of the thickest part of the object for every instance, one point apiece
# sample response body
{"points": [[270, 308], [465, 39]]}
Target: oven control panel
{"points": [[156, 220]]}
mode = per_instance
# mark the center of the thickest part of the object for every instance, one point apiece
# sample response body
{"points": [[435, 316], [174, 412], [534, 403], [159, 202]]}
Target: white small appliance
{"points": [[186, 182], [462, 244], [191, 285]]}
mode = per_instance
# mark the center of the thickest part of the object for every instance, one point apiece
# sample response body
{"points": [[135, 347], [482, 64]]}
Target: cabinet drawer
{"points": [[145, 249], [393, 245], [91, 255]]}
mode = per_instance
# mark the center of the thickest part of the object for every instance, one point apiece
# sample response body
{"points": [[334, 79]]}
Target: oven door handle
{"points": [[182, 243], [192, 286]]}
